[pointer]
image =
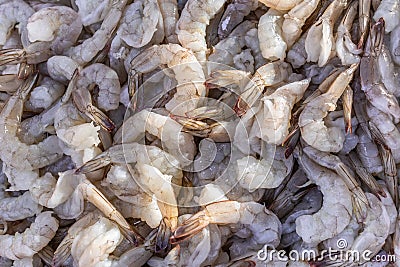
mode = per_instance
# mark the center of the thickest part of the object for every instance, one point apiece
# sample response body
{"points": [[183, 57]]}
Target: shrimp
{"points": [[86, 51], [277, 111], [139, 23], [234, 14], [336, 204], [280, 5], [49, 31], [108, 97], [371, 82], [319, 40], [12, 12], [169, 12], [188, 73], [180, 145], [17, 155], [267, 75], [44, 95], [61, 68], [92, 11], [346, 50], [389, 10], [333, 162], [295, 19], [262, 223], [313, 130], [389, 76], [297, 55], [191, 26], [32, 240], [18, 208]]}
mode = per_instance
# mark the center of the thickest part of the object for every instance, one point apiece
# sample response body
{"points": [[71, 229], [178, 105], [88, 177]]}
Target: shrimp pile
{"points": [[199, 133]]}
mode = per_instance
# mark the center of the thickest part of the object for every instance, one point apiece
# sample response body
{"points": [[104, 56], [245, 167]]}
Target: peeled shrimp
{"points": [[313, 129], [32, 240]]}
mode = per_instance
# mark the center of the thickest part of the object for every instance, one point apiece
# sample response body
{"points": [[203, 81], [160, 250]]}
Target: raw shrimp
{"points": [[320, 41], [389, 10], [264, 226], [32, 240], [169, 11], [371, 82], [86, 51], [313, 129], [280, 5], [12, 12], [297, 55], [346, 50], [48, 32], [267, 75], [17, 155], [92, 11], [389, 76], [234, 14], [336, 209], [61, 68], [139, 23], [295, 19], [19, 208], [272, 44], [277, 109], [188, 73], [172, 259], [177, 143], [44, 95], [333, 162], [108, 97], [191, 26]]}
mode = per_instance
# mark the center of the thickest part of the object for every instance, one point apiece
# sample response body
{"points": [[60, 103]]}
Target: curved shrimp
{"points": [[87, 50], [262, 223], [92, 11], [336, 204], [139, 23], [32, 240], [179, 144], [389, 10], [169, 11], [188, 73], [320, 41], [272, 44], [17, 155], [49, 31], [280, 4], [371, 82], [312, 127], [18, 208], [191, 26], [12, 12]]}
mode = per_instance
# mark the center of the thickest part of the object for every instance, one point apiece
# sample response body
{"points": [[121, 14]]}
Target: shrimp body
{"points": [[32, 240], [389, 10], [313, 129], [188, 73]]}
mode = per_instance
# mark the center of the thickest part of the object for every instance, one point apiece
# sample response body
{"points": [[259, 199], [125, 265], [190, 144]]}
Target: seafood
{"points": [[389, 10]]}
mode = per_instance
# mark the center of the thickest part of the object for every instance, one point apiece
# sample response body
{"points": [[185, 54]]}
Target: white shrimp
{"points": [[16, 155], [191, 26], [280, 5], [276, 111], [297, 55], [336, 210], [44, 95], [295, 19], [188, 73], [234, 14], [32, 240], [196, 249], [92, 11], [368, 153], [139, 23], [18, 208], [49, 31], [320, 41], [177, 143], [86, 51], [272, 44], [172, 259], [12, 12], [346, 50], [389, 76], [388, 129], [169, 11], [263, 227], [389, 10], [61, 68], [313, 129]]}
